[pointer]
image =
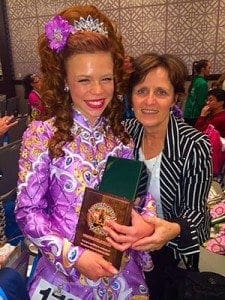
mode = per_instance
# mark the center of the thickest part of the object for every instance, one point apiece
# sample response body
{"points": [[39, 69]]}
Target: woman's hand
{"points": [[164, 232], [94, 266], [205, 111], [122, 237], [6, 123]]}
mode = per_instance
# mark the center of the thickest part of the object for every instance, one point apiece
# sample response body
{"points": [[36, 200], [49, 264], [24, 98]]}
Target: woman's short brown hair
{"points": [[176, 68]]}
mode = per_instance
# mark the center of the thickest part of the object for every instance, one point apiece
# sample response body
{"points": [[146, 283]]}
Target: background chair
{"points": [[2, 105], [9, 166], [24, 107], [16, 132], [12, 106], [1, 141]]}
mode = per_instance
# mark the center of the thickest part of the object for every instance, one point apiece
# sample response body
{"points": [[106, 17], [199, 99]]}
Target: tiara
{"points": [[58, 30], [90, 24]]}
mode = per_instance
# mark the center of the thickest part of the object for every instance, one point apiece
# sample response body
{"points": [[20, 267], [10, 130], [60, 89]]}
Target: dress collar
{"points": [[81, 120]]}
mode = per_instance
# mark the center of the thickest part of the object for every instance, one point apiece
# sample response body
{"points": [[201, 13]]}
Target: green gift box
{"points": [[124, 177]]}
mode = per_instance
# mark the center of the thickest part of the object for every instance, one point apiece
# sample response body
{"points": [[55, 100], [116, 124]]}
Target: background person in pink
{"points": [[212, 122], [213, 112], [32, 85]]}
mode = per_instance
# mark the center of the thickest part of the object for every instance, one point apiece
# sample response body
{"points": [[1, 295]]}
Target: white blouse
{"points": [[153, 166]]}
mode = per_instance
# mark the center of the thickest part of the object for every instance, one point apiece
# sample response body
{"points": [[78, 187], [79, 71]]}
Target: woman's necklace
{"points": [[152, 163], [146, 151]]}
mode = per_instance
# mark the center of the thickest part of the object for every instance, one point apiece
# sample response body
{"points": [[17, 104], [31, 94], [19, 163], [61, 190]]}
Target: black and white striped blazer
{"points": [[185, 179]]}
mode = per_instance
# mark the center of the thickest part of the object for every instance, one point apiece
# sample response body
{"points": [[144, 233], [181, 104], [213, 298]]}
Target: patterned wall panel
{"points": [[191, 29], [20, 9]]}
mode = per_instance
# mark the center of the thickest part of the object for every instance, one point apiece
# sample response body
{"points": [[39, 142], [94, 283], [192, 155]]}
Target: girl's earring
{"points": [[66, 89]]}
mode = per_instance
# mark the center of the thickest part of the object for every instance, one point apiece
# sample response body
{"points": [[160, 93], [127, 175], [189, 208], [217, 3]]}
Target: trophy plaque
{"points": [[97, 208]]}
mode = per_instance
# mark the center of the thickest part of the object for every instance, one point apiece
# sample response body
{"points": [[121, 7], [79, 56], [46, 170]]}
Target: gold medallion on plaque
{"points": [[97, 217]]}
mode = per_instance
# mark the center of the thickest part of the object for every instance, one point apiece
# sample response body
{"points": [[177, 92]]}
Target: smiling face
{"points": [[91, 82], [153, 98]]}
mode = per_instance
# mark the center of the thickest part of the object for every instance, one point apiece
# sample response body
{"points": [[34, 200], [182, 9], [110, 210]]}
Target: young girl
{"points": [[82, 65]]}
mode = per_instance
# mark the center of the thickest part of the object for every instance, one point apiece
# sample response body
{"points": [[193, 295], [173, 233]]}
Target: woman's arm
{"points": [[193, 214], [202, 123], [203, 120]]}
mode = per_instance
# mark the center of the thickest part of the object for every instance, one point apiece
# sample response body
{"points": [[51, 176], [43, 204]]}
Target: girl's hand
{"points": [[94, 266]]}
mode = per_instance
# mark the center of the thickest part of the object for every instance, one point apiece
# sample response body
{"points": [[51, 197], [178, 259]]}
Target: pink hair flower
{"points": [[57, 31]]}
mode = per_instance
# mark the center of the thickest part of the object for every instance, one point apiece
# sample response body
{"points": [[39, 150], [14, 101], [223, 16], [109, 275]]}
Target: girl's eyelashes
{"points": [[84, 80], [89, 80]]}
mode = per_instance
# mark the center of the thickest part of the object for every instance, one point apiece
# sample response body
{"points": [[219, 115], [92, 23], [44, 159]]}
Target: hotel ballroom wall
{"points": [[191, 29]]}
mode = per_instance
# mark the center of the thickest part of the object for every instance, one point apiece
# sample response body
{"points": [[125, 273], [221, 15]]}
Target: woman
{"points": [[197, 91], [212, 123], [32, 85], [213, 112], [178, 158], [82, 65]]}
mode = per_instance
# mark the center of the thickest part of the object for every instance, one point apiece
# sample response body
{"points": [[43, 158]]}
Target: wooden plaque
{"points": [[97, 208]]}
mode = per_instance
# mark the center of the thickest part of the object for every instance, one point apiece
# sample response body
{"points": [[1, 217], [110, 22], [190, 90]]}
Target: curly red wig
{"points": [[58, 103]]}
